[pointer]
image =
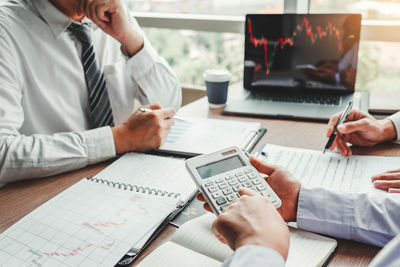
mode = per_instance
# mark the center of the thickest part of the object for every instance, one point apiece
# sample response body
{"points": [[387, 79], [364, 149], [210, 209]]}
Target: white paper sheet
{"points": [[330, 170]]}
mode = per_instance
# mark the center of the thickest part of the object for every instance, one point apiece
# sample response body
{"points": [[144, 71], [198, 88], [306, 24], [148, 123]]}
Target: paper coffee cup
{"points": [[217, 82]]}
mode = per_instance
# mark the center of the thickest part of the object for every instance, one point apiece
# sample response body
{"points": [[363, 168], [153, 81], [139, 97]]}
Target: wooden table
{"points": [[18, 199]]}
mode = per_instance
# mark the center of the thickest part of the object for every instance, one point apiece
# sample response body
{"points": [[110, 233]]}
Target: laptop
{"points": [[299, 65]]}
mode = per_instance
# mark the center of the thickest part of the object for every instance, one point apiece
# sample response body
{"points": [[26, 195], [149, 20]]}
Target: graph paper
{"points": [[88, 224]]}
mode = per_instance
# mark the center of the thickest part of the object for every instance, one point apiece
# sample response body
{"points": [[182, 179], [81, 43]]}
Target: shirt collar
{"points": [[57, 21]]}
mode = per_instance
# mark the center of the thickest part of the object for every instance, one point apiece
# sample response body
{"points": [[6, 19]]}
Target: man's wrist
{"points": [[131, 44], [388, 130], [118, 134]]}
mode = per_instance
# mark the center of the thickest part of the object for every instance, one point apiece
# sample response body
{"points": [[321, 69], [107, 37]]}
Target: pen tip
{"points": [[324, 151]]}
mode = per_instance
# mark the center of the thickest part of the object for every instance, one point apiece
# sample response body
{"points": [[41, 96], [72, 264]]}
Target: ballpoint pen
{"points": [[342, 119], [142, 109]]}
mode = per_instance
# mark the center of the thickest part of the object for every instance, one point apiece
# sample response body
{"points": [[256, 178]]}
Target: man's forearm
{"points": [[132, 44], [27, 157], [365, 217]]}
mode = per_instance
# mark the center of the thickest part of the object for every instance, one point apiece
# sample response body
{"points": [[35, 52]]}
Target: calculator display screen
{"points": [[218, 167]]}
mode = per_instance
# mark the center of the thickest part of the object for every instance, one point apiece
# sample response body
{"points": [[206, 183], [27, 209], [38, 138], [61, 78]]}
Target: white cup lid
{"points": [[215, 75]]}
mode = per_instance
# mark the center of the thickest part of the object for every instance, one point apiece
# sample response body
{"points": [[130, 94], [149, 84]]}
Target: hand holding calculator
{"points": [[221, 174]]}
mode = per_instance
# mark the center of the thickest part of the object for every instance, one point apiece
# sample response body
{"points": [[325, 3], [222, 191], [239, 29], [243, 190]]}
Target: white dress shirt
{"points": [[371, 218], [395, 118], [44, 113]]}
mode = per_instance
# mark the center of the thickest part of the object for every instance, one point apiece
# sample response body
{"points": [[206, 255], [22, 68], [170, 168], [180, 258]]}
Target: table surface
{"points": [[18, 199]]}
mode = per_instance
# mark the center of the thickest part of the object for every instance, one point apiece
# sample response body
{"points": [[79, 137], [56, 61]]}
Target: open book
{"points": [[194, 244]]}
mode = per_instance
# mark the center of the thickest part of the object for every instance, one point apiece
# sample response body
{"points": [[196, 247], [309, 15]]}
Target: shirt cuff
{"points": [[253, 255], [334, 217], [395, 118], [100, 144]]}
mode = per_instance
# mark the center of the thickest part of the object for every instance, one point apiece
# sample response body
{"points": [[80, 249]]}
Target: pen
{"points": [[142, 109], [342, 119]]}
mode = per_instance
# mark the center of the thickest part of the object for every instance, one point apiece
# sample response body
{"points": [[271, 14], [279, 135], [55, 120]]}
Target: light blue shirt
{"points": [[372, 218]]}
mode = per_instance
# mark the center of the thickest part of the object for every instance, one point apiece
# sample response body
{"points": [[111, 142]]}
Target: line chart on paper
{"points": [[86, 225]]}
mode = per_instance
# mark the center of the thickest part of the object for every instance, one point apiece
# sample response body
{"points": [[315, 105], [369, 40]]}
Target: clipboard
{"points": [[191, 137]]}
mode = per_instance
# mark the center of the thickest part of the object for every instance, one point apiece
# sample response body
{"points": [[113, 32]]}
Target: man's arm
{"points": [[254, 229], [371, 218], [156, 80], [158, 83], [40, 155], [366, 217]]}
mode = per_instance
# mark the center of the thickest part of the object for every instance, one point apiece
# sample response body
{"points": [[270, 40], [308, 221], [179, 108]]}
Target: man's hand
{"points": [[252, 220], [360, 129], [285, 186], [110, 16], [282, 182], [143, 131], [389, 181]]}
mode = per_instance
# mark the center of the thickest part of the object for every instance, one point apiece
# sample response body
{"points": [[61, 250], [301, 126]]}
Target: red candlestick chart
{"points": [[313, 34]]}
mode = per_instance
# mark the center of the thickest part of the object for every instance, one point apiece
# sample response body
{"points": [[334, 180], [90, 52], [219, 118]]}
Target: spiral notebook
{"points": [[99, 219], [92, 223], [154, 175]]}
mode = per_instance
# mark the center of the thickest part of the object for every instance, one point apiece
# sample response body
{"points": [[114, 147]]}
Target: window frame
{"points": [[371, 30]]}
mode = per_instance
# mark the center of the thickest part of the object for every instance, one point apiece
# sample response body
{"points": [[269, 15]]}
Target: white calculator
{"points": [[220, 175]]}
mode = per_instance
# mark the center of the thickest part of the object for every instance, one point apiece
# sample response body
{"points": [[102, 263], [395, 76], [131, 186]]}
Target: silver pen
{"points": [[142, 109]]}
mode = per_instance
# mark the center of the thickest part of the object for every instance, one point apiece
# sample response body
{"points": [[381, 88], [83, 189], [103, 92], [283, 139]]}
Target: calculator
{"points": [[221, 174]]}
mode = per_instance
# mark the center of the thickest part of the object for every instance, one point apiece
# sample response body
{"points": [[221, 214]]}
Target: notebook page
{"points": [[87, 224], [174, 255], [306, 249], [163, 173], [201, 136], [330, 170], [198, 236]]}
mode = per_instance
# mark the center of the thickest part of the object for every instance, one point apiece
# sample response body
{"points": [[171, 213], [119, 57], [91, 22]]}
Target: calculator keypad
{"points": [[224, 188]]}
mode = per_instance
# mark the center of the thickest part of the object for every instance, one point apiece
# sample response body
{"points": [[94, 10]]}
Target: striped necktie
{"points": [[99, 101]]}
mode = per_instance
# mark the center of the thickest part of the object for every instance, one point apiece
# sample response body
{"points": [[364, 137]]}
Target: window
{"points": [[379, 62], [370, 9], [378, 66], [191, 52], [220, 7]]}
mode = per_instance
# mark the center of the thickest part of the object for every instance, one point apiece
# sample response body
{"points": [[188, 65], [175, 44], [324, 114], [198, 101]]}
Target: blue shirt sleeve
{"points": [[372, 218], [389, 256], [253, 255]]}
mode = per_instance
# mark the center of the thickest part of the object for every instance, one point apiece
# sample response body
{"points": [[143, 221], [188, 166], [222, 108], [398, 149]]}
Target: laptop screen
{"points": [[312, 52]]}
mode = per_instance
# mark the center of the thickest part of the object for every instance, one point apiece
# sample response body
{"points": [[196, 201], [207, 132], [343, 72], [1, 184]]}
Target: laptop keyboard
{"points": [[319, 99]]}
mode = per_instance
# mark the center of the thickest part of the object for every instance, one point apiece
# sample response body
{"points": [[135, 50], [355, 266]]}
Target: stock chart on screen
{"points": [[302, 50]]}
